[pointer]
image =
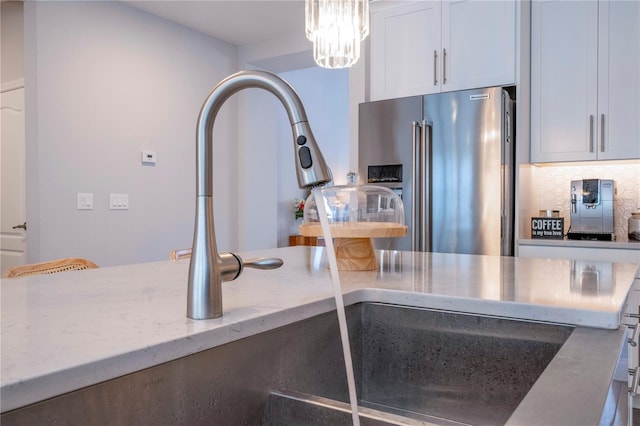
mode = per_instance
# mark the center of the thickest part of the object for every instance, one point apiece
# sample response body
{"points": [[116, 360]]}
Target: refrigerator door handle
{"points": [[506, 179], [425, 188], [415, 172]]}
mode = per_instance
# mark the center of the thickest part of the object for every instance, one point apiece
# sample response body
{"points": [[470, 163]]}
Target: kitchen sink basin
{"points": [[412, 364], [433, 366]]}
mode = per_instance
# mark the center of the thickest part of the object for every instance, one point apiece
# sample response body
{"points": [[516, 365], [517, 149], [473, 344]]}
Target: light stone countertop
{"points": [[620, 244], [66, 331]]}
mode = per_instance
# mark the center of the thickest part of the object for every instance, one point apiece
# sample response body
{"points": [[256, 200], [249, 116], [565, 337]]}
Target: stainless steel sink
{"points": [[434, 366], [417, 365]]}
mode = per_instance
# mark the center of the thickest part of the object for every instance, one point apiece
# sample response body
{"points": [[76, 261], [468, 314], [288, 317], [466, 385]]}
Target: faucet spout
{"points": [[208, 268]]}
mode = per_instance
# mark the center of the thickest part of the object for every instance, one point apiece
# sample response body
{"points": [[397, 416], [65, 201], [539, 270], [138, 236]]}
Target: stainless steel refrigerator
{"points": [[450, 156]]}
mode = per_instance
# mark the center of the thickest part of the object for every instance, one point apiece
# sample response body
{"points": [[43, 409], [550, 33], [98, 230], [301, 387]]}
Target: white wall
{"points": [[105, 81], [325, 95], [257, 170], [267, 182]]}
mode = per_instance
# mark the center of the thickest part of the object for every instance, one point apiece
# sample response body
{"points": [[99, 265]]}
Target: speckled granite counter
{"points": [[67, 331]]}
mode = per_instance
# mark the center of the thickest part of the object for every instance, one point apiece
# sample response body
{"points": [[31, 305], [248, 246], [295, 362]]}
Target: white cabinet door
{"points": [[403, 42], [564, 43], [431, 46], [633, 308], [585, 80], [619, 80], [478, 44]]}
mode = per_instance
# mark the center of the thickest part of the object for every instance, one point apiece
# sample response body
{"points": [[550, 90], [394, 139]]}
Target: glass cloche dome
{"points": [[356, 214], [357, 204]]}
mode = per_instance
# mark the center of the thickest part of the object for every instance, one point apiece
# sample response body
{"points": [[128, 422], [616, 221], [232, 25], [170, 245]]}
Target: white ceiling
{"points": [[239, 22]]}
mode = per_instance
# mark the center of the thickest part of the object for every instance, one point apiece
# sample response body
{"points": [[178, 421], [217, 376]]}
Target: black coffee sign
{"points": [[547, 227]]}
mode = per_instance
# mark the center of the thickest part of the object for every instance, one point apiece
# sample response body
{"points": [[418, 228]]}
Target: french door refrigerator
{"points": [[450, 156]]}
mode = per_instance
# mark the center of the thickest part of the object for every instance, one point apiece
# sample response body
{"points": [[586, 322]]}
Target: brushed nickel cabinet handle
{"points": [[444, 66], [633, 340], [602, 133], [591, 133], [435, 67], [635, 380]]}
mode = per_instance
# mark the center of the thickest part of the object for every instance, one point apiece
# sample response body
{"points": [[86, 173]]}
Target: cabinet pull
{"points": [[591, 133], [632, 315], [602, 133], [633, 340], [435, 67], [444, 66], [635, 379]]}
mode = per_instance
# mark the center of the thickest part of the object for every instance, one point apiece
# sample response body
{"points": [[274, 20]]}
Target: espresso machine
{"points": [[591, 210]]}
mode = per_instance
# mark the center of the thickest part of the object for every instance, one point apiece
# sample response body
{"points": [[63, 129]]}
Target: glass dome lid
{"points": [[356, 214], [375, 210]]}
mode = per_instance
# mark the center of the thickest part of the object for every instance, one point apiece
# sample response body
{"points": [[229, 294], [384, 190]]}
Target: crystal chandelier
{"points": [[336, 28]]}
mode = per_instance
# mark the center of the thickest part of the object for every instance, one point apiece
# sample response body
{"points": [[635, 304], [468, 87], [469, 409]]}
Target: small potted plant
{"points": [[298, 207], [298, 211]]}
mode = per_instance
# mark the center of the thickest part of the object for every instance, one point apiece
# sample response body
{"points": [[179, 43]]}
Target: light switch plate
{"points": [[118, 201], [85, 201]]}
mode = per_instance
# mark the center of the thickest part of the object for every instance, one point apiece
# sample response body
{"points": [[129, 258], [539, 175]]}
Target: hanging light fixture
{"points": [[336, 28]]}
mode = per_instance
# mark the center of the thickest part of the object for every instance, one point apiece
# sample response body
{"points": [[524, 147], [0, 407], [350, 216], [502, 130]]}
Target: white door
{"points": [[12, 169]]}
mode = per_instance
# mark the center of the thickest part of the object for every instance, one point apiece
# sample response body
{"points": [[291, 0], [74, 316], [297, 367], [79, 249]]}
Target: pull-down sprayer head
{"points": [[208, 269], [311, 168]]}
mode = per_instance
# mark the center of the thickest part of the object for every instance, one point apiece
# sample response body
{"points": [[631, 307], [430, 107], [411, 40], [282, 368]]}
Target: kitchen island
{"points": [[68, 331]]}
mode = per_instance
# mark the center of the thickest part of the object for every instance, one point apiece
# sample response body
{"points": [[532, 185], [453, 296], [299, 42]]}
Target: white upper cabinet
{"points": [[564, 40], [478, 44], [585, 80], [436, 46], [405, 44], [619, 80]]}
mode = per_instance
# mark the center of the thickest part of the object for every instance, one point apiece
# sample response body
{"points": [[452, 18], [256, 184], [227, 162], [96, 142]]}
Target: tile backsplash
{"points": [[554, 184]]}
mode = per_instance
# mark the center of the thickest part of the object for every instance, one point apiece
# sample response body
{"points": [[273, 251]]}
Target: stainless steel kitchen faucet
{"points": [[208, 269]]}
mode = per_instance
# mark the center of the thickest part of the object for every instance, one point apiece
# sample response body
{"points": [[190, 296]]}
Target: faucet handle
{"points": [[231, 265], [263, 263]]}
